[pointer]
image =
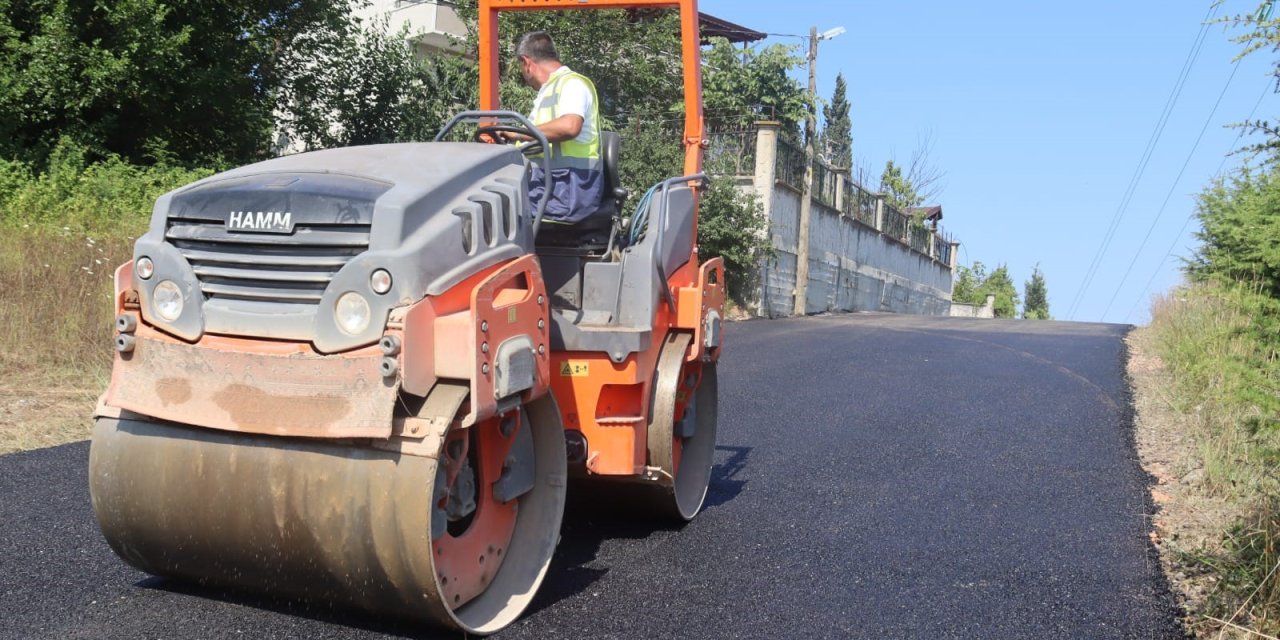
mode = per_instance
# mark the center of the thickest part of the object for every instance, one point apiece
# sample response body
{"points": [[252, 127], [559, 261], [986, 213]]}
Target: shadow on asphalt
{"points": [[725, 484], [594, 514]]}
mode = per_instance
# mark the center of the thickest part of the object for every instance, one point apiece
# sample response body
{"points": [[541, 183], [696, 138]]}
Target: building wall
{"points": [[430, 23]]}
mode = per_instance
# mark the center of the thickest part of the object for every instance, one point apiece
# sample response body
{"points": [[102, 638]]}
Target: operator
{"points": [[567, 112]]}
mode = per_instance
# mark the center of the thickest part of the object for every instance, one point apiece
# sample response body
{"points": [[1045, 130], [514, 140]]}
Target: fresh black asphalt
{"points": [[877, 476]]}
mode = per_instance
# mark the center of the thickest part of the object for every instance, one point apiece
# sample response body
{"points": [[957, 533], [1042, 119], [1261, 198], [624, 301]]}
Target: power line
{"points": [[1191, 216], [1127, 197], [1234, 68]]}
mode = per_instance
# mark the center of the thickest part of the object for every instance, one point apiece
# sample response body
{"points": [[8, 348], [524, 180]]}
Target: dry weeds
{"points": [[55, 332], [1193, 372], [1188, 519]]}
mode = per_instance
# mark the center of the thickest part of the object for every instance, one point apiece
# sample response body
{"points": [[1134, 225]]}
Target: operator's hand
{"points": [[511, 136]]}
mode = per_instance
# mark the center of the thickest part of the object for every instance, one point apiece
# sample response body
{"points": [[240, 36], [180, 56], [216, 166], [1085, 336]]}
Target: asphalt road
{"points": [[877, 477]]}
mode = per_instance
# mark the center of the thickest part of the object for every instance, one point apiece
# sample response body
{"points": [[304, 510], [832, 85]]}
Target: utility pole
{"points": [[806, 194]]}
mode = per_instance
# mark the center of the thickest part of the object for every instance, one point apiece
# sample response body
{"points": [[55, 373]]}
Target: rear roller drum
{"points": [[463, 542], [682, 429]]}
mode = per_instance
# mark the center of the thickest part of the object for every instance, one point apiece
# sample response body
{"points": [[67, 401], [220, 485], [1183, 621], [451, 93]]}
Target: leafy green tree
{"points": [[972, 284], [1001, 284], [730, 225], [1036, 306], [1240, 231], [837, 133], [753, 83], [371, 88], [1260, 31], [182, 80], [898, 188], [967, 287]]}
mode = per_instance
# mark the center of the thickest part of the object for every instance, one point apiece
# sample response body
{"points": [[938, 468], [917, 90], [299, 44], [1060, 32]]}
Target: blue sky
{"points": [[1040, 114]]}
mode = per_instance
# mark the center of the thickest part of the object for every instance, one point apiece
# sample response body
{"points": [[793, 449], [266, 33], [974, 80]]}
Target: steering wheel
{"points": [[525, 127], [491, 129]]}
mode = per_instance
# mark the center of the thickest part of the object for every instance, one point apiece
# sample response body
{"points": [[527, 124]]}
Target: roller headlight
{"points": [[144, 268], [380, 281], [166, 300], [352, 313]]}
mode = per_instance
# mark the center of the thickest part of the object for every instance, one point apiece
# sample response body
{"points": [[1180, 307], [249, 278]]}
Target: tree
{"points": [[967, 288], [919, 181], [1261, 32], [898, 190], [837, 132], [1001, 285], [186, 80], [1240, 231], [753, 83], [1036, 305], [371, 88], [729, 225], [972, 284]]}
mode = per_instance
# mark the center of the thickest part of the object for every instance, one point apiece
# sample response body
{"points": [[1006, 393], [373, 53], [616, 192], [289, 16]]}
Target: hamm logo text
{"points": [[267, 221]]}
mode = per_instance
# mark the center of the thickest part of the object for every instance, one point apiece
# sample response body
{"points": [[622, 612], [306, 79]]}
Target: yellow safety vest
{"points": [[571, 154]]}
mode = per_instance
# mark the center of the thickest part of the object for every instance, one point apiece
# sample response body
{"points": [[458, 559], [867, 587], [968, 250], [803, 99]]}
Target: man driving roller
{"points": [[568, 114]]}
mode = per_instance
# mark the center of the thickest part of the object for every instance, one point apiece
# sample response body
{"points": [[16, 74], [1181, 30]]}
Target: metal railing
{"points": [[731, 148], [824, 184], [859, 203], [789, 168]]}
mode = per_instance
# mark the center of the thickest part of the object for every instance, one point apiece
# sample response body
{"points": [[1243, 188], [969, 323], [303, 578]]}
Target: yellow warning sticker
{"points": [[571, 369], [511, 315]]}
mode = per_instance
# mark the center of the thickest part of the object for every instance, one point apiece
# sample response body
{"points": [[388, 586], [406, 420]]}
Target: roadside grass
{"points": [[55, 347], [1218, 349], [62, 234]]}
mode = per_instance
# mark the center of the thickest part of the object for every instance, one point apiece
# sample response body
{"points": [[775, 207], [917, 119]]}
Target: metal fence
{"points": [[824, 184], [731, 149], [859, 203], [894, 223], [942, 246], [918, 238], [790, 164]]}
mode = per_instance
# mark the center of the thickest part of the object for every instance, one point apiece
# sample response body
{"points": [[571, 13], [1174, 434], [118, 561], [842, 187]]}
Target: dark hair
{"points": [[537, 45]]}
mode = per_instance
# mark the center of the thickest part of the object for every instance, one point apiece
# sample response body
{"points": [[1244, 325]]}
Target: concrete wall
{"points": [[853, 266], [988, 310]]}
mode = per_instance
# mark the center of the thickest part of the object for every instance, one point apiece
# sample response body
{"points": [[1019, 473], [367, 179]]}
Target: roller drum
{"points": [[309, 519]]}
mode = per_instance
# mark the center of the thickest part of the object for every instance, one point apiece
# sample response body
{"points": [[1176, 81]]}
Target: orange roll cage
{"points": [[690, 43]]}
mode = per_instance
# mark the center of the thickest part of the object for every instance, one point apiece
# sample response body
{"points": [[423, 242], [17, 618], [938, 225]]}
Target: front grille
{"points": [[294, 268]]}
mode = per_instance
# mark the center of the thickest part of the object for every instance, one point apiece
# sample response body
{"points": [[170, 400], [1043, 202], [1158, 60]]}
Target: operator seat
{"points": [[593, 233]]}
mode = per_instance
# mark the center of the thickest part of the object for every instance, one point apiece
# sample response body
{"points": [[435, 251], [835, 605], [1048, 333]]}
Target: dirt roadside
{"points": [[1188, 520], [35, 418]]}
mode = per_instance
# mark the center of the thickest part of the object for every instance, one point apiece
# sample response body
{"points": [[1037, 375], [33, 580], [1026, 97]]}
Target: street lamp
{"points": [[806, 196]]}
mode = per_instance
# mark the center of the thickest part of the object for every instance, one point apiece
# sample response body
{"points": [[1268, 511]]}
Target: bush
{"points": [[1240, 231], [732, 225], [1218, 343], [101, 197]]}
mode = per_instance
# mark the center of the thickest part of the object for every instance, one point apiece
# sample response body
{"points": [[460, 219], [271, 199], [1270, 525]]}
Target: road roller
{"points": [[365, 376]]}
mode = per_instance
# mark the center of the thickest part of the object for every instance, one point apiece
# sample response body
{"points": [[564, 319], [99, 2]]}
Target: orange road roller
{"points": [[362, 376]]}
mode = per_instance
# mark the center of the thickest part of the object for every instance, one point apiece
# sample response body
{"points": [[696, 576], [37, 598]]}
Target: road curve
{"points": [[878, 476]]}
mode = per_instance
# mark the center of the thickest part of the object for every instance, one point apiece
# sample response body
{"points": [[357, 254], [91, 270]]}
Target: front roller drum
{"points": [[463, 543], [681, 430]]}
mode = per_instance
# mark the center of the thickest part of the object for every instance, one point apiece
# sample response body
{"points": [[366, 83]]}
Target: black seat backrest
{"points": [[610, 149]]}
